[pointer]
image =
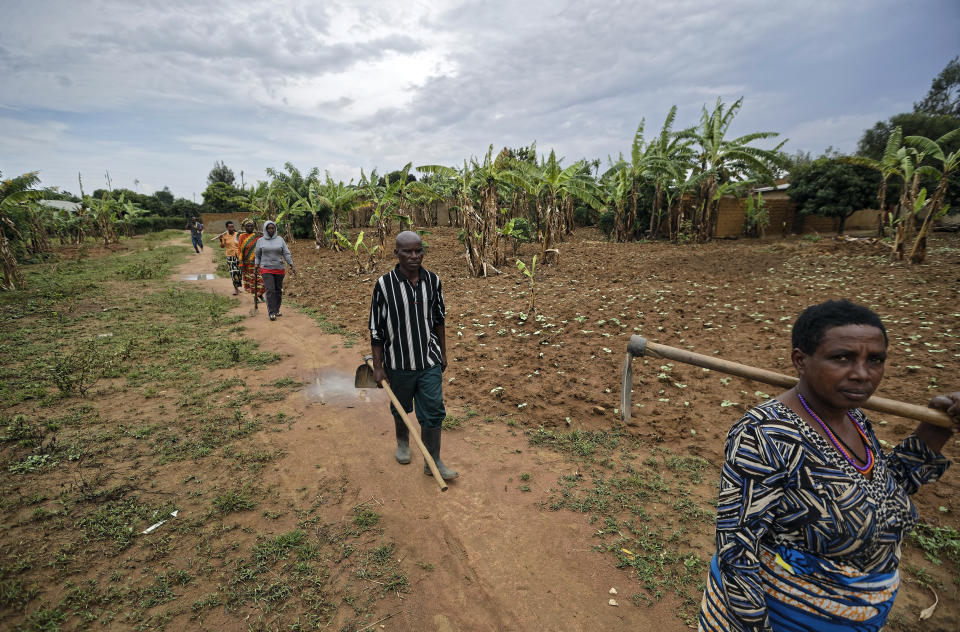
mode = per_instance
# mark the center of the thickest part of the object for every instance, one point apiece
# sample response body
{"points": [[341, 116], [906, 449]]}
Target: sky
{"points": [[155, 93]]}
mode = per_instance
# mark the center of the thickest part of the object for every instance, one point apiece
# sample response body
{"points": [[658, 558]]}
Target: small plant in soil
{"points": [[364, 255], [530, 273]]}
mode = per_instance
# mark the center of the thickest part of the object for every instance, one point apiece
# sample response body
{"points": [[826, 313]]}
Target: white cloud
{"points": [[157, 92], [20, 135]]}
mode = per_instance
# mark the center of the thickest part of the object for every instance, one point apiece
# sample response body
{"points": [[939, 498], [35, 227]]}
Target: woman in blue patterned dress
{"points": [[812, 512]]}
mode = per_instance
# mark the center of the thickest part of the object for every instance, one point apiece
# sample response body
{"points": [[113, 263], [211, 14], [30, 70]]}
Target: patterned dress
{"points": [[247, 243], [804, 541], [231, 252]]}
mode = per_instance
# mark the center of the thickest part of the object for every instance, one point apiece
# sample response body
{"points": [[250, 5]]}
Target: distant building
{"points": [[63, 205]]}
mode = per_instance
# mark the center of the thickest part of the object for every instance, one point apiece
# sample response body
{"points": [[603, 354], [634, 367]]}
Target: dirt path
{"points": [[482, 556]]}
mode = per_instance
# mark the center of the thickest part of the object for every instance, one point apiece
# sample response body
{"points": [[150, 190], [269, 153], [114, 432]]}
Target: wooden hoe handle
{"points": [[640, 346], [414, 435]]}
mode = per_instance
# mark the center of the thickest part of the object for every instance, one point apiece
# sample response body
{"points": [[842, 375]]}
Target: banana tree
{"points": [[684, 182], [339, 200], [471, 222], [260, 201], [889, 165], [949, 163], [721, 160], [905, 221], [288, 187], [310, 204], [670, 156], [492, 178], [399, 189], [640, 163], [424, 195], [127, 213], [382, 202], [555, 185], [617, 183], [104, 213], [13, 194]]}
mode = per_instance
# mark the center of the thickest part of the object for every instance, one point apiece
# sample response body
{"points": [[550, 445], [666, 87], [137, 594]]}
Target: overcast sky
{"points": [[155, 92]]}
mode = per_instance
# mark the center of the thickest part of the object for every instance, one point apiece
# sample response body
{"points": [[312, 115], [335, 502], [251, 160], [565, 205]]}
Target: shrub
{"points": [[153, 223], [585, 216], [73, 373], [142, 270], [607, 222], [522, 225], [756, 217]]}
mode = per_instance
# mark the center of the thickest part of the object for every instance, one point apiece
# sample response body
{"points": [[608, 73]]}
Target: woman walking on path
{"points": [[271, 252], [246, 244], [228, 241]]}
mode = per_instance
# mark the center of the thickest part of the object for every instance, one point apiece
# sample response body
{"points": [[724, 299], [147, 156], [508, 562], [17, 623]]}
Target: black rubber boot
{"points": [[403, 442], [431, 439]]}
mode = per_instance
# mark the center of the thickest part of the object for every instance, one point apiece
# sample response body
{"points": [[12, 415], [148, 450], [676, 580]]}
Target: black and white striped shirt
{"points": [[402, 318]]}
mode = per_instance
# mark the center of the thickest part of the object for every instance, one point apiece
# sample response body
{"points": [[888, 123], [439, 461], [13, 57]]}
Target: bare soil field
{"points": [[292, 513], [557, 369]]}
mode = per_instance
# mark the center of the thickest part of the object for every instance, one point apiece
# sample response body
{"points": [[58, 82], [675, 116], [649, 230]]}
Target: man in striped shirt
{"points": [[409, 346]]}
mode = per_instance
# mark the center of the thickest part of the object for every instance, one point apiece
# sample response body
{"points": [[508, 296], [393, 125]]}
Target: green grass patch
{"points": [[451, 422], [233, 501], [938, 543], [639, 500], [329, 327]]}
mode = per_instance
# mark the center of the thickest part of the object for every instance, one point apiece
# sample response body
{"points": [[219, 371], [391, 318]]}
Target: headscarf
{"points": [[266, 235]]}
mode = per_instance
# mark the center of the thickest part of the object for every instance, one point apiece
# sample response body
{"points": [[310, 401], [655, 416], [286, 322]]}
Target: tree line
{"points": [[666, 186]]}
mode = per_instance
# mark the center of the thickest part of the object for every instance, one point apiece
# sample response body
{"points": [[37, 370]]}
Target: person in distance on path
{"points": [[270, 253], [196, 234], [409, 346]]}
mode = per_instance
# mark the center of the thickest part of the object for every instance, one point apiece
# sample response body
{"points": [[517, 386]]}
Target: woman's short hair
{"points": [[815, 320]]}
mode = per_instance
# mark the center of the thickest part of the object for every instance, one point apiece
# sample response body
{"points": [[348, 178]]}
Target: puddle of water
{"points": [[334, 387], [199, 277]]}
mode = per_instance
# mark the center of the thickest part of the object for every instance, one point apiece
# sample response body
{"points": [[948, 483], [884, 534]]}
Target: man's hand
{"points": [[380, 375], [293, 271], [443, 363]]}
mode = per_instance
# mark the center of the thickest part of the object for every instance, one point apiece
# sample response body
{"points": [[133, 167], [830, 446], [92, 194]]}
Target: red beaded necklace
{"points": [[849, 456]]}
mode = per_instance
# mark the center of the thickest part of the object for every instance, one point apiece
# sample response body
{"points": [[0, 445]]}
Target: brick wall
{"points": [[782, 213], [784, 219], [732, 214], [865, 219], [216, 223]]}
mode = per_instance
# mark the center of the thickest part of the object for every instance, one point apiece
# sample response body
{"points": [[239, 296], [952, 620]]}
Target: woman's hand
{"points": [[950, 404], [936, 436]]}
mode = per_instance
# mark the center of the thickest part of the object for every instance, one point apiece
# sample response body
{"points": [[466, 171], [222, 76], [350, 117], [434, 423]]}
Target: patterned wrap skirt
{"points": [[807, 592], [250, 276], [234, 264]]}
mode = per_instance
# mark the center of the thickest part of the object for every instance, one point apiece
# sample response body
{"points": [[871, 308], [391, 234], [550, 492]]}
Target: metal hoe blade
{"points": [[364, 377]]}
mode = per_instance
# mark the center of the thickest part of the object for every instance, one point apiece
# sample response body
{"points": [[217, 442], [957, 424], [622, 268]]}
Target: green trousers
{"points": [[423, 389]]}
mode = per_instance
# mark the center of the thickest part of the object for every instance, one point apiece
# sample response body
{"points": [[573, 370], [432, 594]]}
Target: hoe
{"points": [[640, 346], [364, 379]]}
